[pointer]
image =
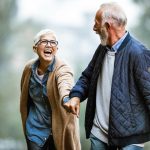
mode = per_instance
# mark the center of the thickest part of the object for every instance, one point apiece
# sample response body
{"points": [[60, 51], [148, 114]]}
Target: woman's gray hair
{"points": [[43, 32], [113, 13]]}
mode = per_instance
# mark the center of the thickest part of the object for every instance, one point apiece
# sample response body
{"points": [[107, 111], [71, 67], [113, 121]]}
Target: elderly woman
{"points": [[45, 84]]}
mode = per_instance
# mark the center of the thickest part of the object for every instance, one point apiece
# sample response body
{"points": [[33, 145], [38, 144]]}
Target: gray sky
{"points": [[69, 12]]}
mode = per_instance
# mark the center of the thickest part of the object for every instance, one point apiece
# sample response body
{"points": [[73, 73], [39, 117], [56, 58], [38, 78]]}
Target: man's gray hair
{"points": [[43, 32], [113, 13]]}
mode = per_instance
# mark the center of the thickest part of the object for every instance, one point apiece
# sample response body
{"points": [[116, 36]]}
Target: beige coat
{"points": [[65, 125]]}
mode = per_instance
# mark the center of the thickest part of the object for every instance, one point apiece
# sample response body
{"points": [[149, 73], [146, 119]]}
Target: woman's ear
{"points": [[35, 49]]}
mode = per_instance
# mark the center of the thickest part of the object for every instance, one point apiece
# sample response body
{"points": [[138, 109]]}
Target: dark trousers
{"points": [[49, 145]]}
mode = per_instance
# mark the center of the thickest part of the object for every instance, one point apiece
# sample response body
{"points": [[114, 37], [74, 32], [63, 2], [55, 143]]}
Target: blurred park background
{"points": [[72, 21]]}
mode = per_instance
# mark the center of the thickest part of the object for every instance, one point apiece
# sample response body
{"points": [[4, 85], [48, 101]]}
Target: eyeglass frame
{"points": [[47, 41]]}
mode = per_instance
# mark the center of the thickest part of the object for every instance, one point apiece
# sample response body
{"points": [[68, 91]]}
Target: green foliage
{"points": [[15, 49], [8, 9], [142, 30], [143, 2], [85, 143], [7, 12]]}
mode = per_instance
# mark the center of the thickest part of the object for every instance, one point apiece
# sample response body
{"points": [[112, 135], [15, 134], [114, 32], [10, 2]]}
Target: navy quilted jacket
{"points": [[129, 121]]}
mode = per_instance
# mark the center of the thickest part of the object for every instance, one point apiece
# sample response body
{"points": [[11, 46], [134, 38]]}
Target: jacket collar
{"points": [[124, 43]]}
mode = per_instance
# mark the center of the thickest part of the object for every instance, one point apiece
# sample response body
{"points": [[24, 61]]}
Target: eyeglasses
{"points": [[52, 43]]}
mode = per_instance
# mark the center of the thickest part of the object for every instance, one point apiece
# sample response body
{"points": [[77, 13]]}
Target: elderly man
{"points": [[117, 85], [45, 83]]}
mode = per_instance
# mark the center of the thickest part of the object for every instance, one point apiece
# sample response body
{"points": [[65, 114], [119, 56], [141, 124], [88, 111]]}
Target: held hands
{"points": [[73, 106]]}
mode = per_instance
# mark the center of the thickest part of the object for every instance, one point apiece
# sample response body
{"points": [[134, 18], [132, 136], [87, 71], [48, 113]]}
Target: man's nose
{"points": [[94, 28]]}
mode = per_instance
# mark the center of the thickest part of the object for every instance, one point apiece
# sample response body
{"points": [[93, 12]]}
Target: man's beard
{"points": [[103, 36]]}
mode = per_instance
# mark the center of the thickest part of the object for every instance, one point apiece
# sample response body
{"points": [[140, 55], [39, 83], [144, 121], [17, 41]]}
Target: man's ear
{"points": [[35, 49], [107, 25]]}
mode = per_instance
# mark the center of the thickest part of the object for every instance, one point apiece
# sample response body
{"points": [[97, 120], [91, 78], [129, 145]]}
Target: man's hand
{"points": [[73, 106]]}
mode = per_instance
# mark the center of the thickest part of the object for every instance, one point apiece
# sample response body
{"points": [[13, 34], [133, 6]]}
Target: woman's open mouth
{"points": [[47, 53]]}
